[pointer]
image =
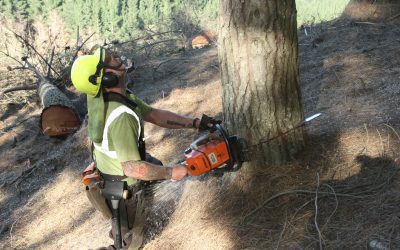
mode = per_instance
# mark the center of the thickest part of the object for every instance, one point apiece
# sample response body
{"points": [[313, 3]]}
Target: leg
{"points": [[138, 227], [98, 201]]}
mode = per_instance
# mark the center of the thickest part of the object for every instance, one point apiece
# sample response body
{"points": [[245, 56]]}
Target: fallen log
{"points": [[58, 117]]}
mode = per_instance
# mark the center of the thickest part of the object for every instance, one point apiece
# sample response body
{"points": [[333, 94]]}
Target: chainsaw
{"points": [[214, 151], [220, 152]]}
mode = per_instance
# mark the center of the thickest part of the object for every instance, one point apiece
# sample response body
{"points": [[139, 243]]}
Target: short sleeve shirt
{"points": [[123, 134]]}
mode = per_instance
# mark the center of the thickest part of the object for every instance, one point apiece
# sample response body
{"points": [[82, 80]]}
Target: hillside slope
{"points": [[341, 192]]}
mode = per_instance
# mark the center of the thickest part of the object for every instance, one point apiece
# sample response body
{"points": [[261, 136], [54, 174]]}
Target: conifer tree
{"points": [[35, 8], [22, 7], [130, 19]]}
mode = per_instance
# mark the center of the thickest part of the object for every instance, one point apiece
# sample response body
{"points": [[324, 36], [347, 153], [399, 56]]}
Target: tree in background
{"points": [[115, 18], [258, 54], [112, 17], [130, 18], [22, 8], [35, 8]]}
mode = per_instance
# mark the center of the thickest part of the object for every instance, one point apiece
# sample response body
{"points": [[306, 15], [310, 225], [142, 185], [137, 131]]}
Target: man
{"points": [[115, 127]]}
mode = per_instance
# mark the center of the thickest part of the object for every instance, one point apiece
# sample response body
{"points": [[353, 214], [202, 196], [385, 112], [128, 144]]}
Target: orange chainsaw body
{"points": [[204, 158]]}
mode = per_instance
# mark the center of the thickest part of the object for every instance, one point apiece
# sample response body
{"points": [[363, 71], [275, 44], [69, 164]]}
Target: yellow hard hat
{"points": [[87, 72]]}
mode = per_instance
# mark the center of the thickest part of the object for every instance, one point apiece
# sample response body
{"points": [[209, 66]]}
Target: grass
{"points": [[317, 11]]}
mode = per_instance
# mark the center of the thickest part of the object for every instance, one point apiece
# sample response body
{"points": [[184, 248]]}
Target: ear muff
{"points": [[109, 80]]}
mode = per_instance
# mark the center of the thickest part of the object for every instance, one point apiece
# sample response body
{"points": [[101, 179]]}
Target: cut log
{"points": [[58, 117]]}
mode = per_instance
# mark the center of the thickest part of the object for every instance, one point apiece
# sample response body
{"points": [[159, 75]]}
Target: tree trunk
{"points": [[258, 55], [58, 117], [371, 10]]}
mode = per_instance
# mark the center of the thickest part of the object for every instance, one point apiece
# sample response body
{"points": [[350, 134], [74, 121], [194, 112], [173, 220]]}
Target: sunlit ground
{"points": [[317, 11]]}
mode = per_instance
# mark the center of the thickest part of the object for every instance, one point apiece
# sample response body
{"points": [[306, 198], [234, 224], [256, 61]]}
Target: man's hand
{"points": [[178, 172], [208, 123]]}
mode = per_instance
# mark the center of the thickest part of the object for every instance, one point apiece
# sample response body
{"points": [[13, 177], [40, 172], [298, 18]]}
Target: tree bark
{"points": [[258, 55], [58, 117]]}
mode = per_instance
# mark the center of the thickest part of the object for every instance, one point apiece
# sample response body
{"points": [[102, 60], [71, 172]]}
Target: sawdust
{"points": [[346, 181]]}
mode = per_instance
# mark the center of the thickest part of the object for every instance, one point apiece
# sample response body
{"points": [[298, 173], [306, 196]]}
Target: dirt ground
{"points": [[342, 192]]}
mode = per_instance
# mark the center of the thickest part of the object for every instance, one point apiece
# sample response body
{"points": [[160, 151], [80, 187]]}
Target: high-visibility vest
{"points": [[103, 147]]}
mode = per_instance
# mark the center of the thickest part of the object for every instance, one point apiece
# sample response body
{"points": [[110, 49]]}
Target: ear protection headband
{"points": [[108, 80]]}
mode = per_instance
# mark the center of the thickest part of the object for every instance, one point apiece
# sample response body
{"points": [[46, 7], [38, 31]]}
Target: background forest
{"points": [[127, 18]]}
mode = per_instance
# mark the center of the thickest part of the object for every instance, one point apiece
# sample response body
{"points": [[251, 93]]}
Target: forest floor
{"points": [[342, 191]]}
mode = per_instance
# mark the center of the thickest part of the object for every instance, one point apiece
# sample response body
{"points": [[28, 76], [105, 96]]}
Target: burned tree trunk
{"points": [[58, 117], [258, 57]]}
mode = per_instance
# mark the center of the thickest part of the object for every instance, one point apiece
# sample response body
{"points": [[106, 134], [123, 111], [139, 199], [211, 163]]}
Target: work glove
{"points": [[208, 123]]}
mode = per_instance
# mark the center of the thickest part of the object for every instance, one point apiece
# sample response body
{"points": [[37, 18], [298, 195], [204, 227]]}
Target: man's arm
{"points": [[167, 119], [147, 171]]}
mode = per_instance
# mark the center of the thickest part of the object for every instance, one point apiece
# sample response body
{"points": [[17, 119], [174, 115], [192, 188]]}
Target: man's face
{"points": [[114, 64]]}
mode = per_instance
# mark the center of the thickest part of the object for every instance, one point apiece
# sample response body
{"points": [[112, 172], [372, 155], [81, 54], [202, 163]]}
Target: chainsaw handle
{"points": [[203, 140], [199, 141]]}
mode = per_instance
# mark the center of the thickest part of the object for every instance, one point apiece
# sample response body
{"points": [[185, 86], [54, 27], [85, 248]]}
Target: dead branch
{"points": [[305, 192], [394, 131], [316, 214], [146, 37], [155, 43], [345, 192], [28, 87], [34, 70], [281, 234], [367, 23], [80, 47], [51, 62], [77, 38], [66, 69], [34, 49], [15, 59], [393, 17], [25, 65], [336, 207]]}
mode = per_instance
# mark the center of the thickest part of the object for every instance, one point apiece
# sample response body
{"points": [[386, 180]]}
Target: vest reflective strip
{"points": [[103, 147]]}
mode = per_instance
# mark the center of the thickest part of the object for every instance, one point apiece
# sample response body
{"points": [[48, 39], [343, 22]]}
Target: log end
{"points": [[59, 121]]}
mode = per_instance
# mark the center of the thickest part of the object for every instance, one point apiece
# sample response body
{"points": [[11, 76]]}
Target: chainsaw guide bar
{"points": [[219, 152]]}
